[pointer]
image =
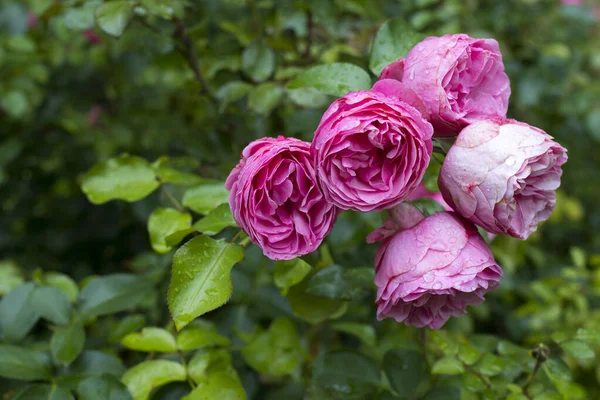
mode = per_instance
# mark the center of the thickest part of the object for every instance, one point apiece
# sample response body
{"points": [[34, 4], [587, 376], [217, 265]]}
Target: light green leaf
{"points": [[308, 97], [150, 339], [24, 364], [216, 220], [164, 222], [17, 313], [200, 334], [258, 61], [113, 17], [489, 365], [141, 379], [557, 370], [364, 332], [231, 92], [67, 342], [265, 97], [201, 281], [10, 276], [289, 273], [15, 103], [167, 171], [80, 18], [209, 360], [218, 385], [205, 197], [113, 293], [63, 282], [578, 349], [276, 351], [591, 336], [336, 79], [347, 373], [165, 9], [52, 304], [44, 392], [125, 177], [407, 372], [393, 41], [448, 366]]}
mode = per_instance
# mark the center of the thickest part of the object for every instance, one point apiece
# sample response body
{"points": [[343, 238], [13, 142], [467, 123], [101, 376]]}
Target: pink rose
{"points": [[459, 79], [431, 268], [275, 198], [370, 151], [502, 175]]}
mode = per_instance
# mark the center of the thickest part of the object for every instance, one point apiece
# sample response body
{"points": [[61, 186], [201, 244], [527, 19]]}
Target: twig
{"points": [[184, 363], [541, 354], [172, 199]]}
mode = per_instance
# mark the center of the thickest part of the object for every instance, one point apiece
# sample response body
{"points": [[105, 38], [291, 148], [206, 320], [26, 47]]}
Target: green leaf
{"points": [[164, 222], [313, 309], [52, 304], [393, 41], [114, 293], [201, 281], [289, 273], [17, 313], [147, 375], [265, 97], [15, 103], [125, 177], [348, 373], [10, 276], [443, 393], [308, 97], [67, 342], [557, 370], [80, 18], [218, 385], [336, 79], [448, 366], [216, 220], [209, 360], [258, 61], [200, 334], [150, 339], [364, 332], [96, 363], [489, 365], [591, 336], [64, 283], [44, 392], [337, 283], [205, 197], [407, 371], [24, 364], [113, 17], [167, 171], [125, 326], [276, 351], [231, 92], [102, 388], [578, 349], [468, 354]]}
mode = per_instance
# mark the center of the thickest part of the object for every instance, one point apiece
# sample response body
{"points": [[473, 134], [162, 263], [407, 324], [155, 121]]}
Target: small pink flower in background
{"points": [[502, 175], [422, 192], [370, 151], [275, 198], [459, 80], [94, 114], [91, 36], [32, 20], [429, 269]]}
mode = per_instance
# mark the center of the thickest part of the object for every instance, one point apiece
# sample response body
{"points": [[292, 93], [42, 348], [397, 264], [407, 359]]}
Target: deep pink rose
{"points": [[459, 79], [502, 175], [421, 192], [370, 151], [431, 268], [275, 198]]}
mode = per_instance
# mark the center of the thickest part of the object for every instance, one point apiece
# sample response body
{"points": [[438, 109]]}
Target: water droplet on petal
{"points": [[510, 161], [428, 277], [437, 285]]}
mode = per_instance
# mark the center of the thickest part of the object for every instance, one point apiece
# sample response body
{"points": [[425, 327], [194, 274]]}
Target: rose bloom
{"points": [[459, 80], [502, 175], [275, 198], [371, 150], [429, 269]]}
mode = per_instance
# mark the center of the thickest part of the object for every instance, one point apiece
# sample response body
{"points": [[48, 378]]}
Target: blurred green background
{"points": [[196, 81]]}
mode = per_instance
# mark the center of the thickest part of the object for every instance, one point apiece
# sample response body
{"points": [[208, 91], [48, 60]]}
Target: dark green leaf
{"points": [[205, 197], [67, 342], [289, 273], [125, 177], [114, 16], [151, 339], [125, 326], [407, 371], [231, 92], [24, 364], [313, 309], [141, 379], [215, 221], [164, 222], [113, 293], [200, 281], [336, 79], [258, 61], [443, 393], [52, 304], [352, 374], [44, 392], [364, 332], [393, 41], [102, 388], [96, 363], [17, 313], [335, 282]]}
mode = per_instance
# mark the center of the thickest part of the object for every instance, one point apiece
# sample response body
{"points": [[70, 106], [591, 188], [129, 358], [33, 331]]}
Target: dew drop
{"points": [[510, 161], [428, 277], [437, 285], [452, 240]]}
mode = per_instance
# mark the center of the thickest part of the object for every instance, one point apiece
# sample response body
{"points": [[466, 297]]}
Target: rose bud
{"points": [[370, 151], [275, 198], [459, 80], [502, 175], [429, 269]]}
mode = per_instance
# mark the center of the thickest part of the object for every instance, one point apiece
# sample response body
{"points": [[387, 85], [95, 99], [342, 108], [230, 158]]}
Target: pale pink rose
{"points": [[421, 192], [431, 268], [370, 151], [459, 79], [275, 198], [502, 175]]}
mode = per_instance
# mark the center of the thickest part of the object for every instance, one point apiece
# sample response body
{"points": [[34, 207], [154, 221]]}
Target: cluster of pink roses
{"points": [[370, 152]]}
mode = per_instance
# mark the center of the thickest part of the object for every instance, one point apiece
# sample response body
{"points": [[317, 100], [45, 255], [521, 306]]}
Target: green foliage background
{"points": [[143, 107]]}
